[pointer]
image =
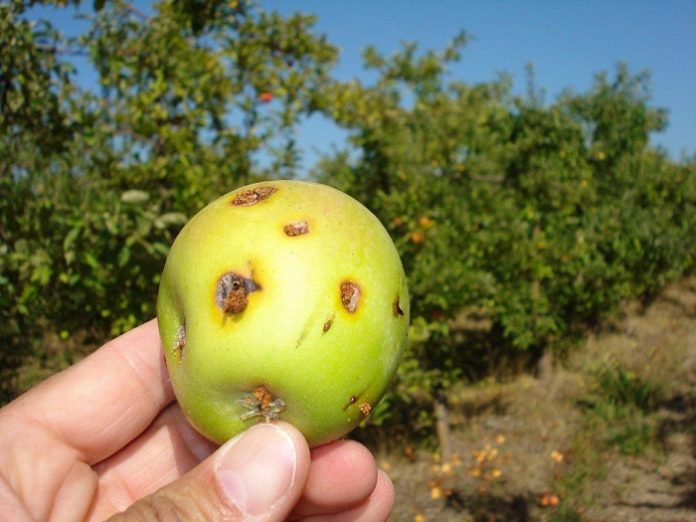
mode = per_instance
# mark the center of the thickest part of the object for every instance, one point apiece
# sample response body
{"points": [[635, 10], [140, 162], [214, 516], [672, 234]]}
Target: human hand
{"points": [[105, 438]]}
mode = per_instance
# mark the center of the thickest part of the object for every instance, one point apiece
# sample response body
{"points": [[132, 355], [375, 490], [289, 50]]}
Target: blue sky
{"points": [[567, 41]]}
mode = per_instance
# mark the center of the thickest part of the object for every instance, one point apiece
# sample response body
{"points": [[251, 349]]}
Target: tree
{"points": [[194, 99], [537, 218]]}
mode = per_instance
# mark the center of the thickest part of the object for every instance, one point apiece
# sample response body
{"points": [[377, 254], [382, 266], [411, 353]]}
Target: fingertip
{"points": [[343, 473], [262, 471], [301, 446], [376, 508], [384, 495]]}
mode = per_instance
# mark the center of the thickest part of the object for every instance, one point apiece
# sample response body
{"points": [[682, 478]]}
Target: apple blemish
{"points": [[252, 196], [296, 229], [350, 296], [232, 292], [261, 403]]}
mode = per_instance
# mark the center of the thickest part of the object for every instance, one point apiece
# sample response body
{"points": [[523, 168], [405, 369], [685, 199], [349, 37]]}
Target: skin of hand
{"points": [[105, 438]]}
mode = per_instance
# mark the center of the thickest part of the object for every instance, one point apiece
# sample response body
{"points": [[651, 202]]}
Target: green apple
{"points": [[282, 300]]}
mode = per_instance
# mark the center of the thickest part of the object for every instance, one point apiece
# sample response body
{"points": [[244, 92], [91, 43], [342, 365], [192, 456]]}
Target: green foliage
{"points": [[95, 184], [619, 417], [566, 513], [623, 388], [618, 406], [33, 124], [540, 218]]}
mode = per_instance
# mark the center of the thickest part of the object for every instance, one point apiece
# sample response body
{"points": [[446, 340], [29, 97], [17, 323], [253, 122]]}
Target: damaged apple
{"points": [[282, 300]]}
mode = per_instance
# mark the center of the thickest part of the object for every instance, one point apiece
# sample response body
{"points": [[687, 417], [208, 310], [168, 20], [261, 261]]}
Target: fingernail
{"points": [[256, 468]]}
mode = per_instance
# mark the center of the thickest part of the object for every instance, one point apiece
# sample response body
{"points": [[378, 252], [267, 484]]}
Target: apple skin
{"points": [[319, 331]]}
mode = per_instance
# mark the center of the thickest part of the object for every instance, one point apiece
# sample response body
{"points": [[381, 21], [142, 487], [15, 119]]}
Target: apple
{"points": [[282, 300]]}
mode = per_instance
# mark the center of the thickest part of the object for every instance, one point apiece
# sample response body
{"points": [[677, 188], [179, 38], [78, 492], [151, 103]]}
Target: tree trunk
{"points": [[443, 430], [545, 366]]}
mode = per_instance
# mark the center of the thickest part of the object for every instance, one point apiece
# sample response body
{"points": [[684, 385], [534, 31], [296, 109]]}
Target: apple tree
{"points": [[520, 222], [189, 100]]}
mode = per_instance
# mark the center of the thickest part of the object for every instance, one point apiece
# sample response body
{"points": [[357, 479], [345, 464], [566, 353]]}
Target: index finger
{"points": [[106, 400]]}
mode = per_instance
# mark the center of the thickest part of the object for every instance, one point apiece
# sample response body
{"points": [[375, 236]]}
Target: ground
{"points": [[608, 435]]}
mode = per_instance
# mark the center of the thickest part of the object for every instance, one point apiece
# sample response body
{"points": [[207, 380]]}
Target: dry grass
{"points": [[608, 435]]}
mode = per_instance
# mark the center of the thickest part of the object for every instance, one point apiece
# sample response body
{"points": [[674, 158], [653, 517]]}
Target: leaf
{"points": [[170, 218], [124, 256], [70, 238], [161, 248], [92, 261], [135, 196]]}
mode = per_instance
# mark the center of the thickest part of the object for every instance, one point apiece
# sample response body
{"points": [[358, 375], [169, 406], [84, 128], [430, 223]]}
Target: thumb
{"points": [[259, 475]]}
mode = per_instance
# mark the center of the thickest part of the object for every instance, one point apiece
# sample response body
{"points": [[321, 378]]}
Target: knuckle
{"points": [[163, 509], [157, 508]]}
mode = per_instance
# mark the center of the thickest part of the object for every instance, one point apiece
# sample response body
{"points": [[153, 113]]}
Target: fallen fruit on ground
{"points": [[282, 300]]}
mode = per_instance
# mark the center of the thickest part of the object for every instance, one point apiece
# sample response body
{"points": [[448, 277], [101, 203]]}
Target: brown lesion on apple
{"points": [[252, 196], [261, 403], [302, 337], [328, 323], [350, 296], [398, 311], [180, 342], [365, 408], [352, 400], [232, 292], [298, 228]]}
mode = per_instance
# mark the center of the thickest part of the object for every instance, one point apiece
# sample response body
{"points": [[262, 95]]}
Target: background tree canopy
{"points": [[536, 219]]}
